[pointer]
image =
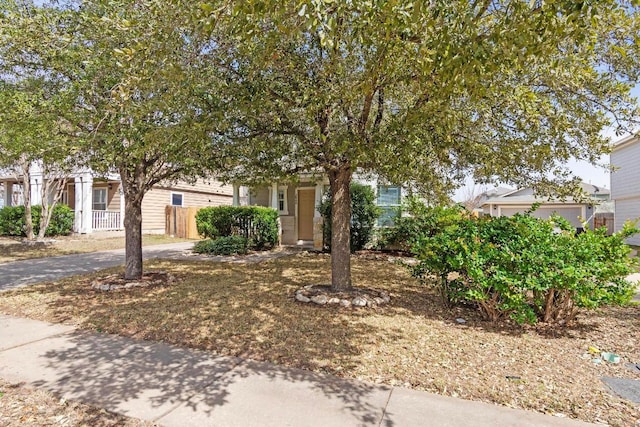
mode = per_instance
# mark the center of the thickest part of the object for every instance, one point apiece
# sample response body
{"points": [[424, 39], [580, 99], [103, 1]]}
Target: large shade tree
{"points": [[425, 93], [136, 77]]}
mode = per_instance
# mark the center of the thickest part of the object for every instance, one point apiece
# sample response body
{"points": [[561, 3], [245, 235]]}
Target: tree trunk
{"points": [[25, 171], [340, 181], [133, 237]]}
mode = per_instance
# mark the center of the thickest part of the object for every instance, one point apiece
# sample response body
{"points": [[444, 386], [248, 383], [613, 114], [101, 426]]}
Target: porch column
{"points": [[7, 189], [236, 195], [121, 192], [84, 203], [274, 196], [36, 183], [318, 200]]}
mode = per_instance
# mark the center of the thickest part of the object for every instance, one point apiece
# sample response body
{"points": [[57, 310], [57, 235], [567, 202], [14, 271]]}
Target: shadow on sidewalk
{"points": [[153, 380]]}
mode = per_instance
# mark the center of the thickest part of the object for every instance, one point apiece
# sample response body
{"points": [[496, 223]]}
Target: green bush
{"points": [[258, 225], [12, 220], [420, 220], [227, 245], [364, 213], [525, 268]]}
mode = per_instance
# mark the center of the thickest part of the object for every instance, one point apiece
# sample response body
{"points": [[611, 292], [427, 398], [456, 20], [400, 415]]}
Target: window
{"points": [[282, 200], [99, 199], [389, 203], [176, 199]]}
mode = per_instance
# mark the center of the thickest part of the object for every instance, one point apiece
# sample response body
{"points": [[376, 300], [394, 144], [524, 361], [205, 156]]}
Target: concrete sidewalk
{"points": [[176, 387]]}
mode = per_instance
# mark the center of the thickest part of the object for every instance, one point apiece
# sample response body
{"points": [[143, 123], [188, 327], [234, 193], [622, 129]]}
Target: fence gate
{"points": [[604, 220], [181, 222]]}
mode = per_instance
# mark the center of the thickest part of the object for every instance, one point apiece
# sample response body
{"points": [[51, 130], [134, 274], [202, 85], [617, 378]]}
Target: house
{"points": [[625, 183], [98, 201], [297, 204], [576, 212]]}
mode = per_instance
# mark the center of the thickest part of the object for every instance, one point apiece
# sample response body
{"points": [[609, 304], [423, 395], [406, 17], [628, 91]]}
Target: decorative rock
{"points": [[302, 298], [385, 297], [320, 299], [359, 302], [105, 287], [333, 301], [378, 300], [461, 320], [345, 303]]}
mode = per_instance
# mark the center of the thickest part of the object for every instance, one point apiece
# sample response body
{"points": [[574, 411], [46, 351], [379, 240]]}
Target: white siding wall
{"points": [[625, 181], [627, 209], [571, 214], [625, 185]]}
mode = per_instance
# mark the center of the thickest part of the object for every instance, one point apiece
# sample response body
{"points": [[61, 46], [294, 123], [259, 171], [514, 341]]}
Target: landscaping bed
{"points": [[249, 310]]}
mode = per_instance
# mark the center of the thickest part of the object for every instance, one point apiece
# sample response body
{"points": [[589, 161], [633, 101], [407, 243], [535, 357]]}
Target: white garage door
{"points": [[571, 214]]}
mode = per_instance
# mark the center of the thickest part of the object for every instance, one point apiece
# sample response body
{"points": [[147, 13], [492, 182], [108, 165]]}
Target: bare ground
{"points": [[248, 310]]}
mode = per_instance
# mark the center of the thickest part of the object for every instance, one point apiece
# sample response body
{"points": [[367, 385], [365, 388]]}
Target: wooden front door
{"points": [[306, 208]]}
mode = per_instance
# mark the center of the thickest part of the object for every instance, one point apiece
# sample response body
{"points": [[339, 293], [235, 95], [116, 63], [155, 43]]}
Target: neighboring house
{"points": [[625, 183], [576, 212], [300, 220], [98, 201]]}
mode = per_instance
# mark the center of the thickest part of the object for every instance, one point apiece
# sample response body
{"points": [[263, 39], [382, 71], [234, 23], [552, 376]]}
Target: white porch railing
{"points": [[105, 220]]}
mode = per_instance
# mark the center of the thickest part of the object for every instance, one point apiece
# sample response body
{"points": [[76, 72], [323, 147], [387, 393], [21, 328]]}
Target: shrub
{"points": [[226, 245], [258, 225], [525, 268], [12, 220], [364, 213], [419, 221]]}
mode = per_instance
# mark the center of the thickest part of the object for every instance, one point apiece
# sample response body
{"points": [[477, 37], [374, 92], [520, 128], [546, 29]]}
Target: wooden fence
{"points": [[604, 220], [181, 222]]}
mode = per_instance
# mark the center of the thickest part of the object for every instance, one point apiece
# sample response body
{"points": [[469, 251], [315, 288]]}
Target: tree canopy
{"points": [[426, 93]]}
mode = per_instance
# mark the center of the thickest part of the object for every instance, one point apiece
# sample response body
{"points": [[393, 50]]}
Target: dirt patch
{"points": [[247, 310], [24, 406]]}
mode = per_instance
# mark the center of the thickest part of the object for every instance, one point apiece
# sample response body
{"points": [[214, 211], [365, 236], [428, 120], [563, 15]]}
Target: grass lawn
{"points": [[248, 310], [15, 249]]}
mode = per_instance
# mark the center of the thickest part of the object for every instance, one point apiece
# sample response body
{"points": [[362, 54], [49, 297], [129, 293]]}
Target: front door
{"points": [[306, 209]]}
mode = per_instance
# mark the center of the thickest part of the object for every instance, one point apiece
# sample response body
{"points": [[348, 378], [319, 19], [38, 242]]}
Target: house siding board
{"points": [[260, 197], [625, 181], [202, 186], [627, 209], [153, 205]]}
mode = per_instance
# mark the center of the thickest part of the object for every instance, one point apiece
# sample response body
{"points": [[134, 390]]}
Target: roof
{"points": [[626, 141], [525, 196]]}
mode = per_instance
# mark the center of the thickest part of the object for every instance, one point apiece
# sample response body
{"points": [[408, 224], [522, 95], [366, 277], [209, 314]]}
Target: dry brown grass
{"points": [[16, 249], [24, 406], [248, 310]]}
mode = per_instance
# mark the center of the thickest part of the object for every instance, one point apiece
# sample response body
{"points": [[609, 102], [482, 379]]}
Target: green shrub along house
{"points": [[298, 202]]}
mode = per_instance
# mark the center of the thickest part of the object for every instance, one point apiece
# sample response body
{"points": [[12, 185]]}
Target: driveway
{"points": [[30, 271]]}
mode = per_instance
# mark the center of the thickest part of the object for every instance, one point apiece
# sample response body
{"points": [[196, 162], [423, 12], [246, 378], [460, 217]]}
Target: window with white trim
{"points": [[283, 207], [99, 199], [388, 201], [176, 199]]}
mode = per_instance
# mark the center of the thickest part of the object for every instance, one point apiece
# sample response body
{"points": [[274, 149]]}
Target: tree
{"points": [[133, 72], [425, 92]]}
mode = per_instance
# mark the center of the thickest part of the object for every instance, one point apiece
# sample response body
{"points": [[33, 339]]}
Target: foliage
{"points": [[12, 221], [258, 225], [424, 93], [417, 220], [525, 268], [364, 213], [225, 245]]}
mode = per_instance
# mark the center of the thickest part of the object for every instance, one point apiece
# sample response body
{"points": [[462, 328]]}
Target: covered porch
{"points": [[297, 205], [98, 203]]}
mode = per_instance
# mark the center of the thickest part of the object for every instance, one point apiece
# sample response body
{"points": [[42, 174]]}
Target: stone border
{"points": [[359, 297], [115, 282]]}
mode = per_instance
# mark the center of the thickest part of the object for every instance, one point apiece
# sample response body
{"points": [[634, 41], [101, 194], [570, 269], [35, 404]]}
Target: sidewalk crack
{"points": [[384, 410]]}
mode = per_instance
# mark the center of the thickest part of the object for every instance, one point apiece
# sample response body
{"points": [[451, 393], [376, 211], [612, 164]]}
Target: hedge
{"points": [[12, 220], [227, 245], [257, 224]]}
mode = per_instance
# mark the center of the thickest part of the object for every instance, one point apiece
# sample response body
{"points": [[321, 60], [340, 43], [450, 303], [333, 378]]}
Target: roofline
{"points": [[624, 142]]}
